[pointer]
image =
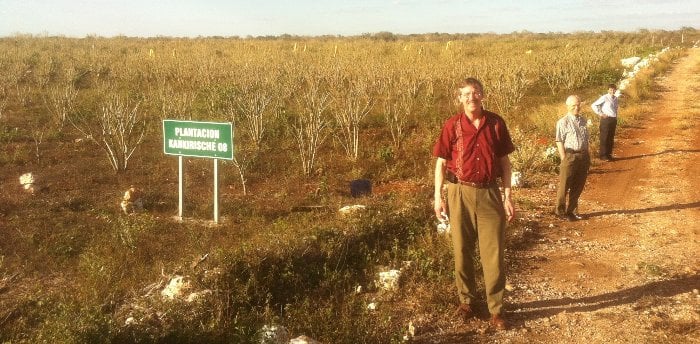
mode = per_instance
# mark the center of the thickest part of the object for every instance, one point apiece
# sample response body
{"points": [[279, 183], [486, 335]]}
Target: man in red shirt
{"points": [[472, 154]]}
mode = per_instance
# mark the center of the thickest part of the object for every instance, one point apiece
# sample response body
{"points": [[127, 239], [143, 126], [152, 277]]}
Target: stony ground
{"points": [[630, 271]]}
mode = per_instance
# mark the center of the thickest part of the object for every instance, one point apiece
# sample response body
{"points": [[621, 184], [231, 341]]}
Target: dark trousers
{"points": [[573, 172], [607, 136]]}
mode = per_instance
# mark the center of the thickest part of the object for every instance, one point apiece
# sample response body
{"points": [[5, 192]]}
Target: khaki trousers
{"points": [[573, 172], [478, 214]]}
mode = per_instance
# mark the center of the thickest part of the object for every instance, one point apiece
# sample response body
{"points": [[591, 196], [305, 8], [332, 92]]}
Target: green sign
{"points": [[198, 139]]}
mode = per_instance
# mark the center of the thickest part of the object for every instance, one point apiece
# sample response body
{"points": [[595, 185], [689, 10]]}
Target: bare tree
{"points": [[60, 101], [251, 106], [506, 89], [17, 76], [353, 102], [38, 136], [118, 130], [176, 104], [245, 150], [569, 69], [255, 102], [403, 95], [46, 72], [311, 124]]}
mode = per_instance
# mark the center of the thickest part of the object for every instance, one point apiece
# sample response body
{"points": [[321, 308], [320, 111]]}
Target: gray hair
{"points": [[572, 99]]}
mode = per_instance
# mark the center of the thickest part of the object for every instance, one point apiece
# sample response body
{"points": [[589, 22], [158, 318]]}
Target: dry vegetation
{"points": [[310, 115]]}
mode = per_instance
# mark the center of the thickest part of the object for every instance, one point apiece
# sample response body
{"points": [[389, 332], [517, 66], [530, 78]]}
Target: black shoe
{"points": [[573, 217]]}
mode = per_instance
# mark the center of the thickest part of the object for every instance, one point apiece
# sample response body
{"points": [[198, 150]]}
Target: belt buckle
{"points": [[452, 178], [477, 185]]}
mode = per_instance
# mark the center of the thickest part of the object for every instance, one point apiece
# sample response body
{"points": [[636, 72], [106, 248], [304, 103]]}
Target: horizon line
{"points": [[377, 34]]}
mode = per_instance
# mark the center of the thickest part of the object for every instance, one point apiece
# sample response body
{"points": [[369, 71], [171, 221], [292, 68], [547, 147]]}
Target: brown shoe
{"points": [[464, 311], [498, 322]]}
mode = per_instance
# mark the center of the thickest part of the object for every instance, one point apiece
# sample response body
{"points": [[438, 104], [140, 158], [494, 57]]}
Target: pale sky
{"points": [[189, 18]]}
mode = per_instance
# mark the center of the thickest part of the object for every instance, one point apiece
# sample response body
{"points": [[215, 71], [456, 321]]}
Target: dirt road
{"points": [[630, 271]]}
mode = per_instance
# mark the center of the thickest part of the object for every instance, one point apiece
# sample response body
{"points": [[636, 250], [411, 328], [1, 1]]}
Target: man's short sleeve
{"points": [[505, 142], [559, 132], [443, 144]]}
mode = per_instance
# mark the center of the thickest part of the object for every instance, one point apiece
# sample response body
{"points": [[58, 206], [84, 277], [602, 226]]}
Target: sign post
{"points": [[198, 139]]}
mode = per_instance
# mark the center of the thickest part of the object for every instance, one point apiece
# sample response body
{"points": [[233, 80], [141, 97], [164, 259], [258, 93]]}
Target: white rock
{"points": [[175, 288], [273, 334], [516, 179], [372, 306], [630, 61], [28, 181], [411, 330], [551, 152], [132, 201], [623, 84], [389, 280], [198, 295], [27, 178], [351, 208], [303, 340]]}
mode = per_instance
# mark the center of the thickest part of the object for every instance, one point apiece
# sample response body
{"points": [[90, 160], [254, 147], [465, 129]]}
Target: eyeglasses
{"points": [[476, 95]]}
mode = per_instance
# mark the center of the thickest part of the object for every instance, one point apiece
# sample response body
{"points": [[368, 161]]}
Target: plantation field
{"points": [[310, 115]]}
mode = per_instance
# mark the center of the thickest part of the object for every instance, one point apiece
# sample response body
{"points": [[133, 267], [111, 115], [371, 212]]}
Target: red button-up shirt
{"points": [[473, 154]]}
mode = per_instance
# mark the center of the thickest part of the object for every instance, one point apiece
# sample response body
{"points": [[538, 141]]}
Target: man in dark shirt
{"points": [[472, 154]]}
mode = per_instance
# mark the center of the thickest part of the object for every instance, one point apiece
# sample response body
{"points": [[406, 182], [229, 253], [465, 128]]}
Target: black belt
{"points": [[450, 177], [573, 151]]}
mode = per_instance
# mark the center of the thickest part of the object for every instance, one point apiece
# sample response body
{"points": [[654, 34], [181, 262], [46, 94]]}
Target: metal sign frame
{"points": [[202, 140]]}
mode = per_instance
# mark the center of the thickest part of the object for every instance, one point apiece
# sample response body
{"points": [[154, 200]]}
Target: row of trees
{"points": [[115, 90]]}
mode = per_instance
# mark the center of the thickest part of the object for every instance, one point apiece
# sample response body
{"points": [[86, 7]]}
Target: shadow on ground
{"points": [[546, 308], [670, 207]]}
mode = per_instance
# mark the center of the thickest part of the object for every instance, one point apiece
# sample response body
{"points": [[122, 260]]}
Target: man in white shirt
{"points": [[606, 107]]}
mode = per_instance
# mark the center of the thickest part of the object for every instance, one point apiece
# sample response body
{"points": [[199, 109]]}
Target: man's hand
{"points": [[440, 208], [438, 203], [509, 207]]}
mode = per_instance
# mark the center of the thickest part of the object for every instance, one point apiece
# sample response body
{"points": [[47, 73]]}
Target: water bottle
{"points": [[443, 226]]}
